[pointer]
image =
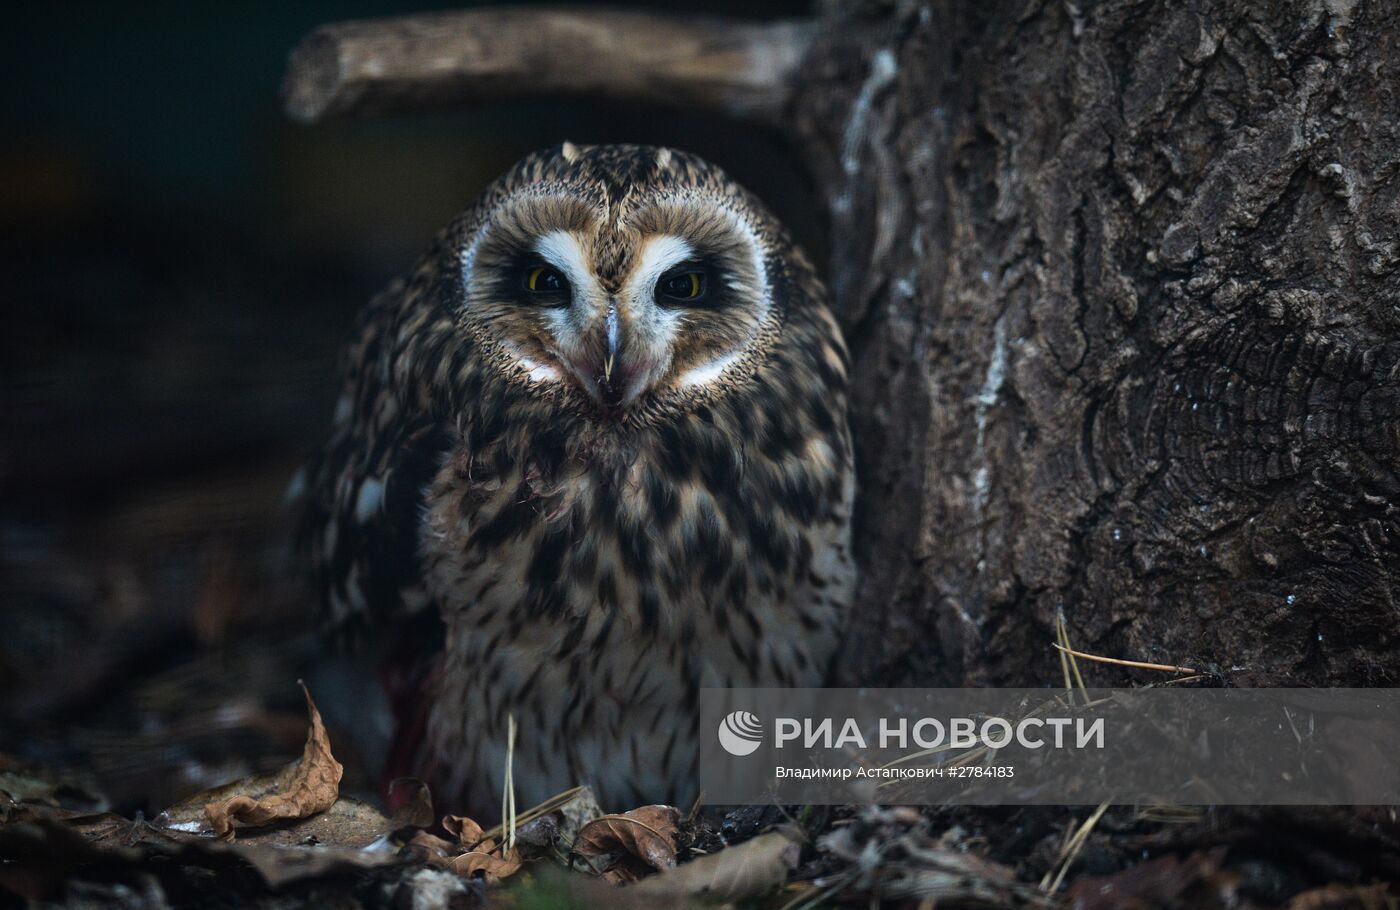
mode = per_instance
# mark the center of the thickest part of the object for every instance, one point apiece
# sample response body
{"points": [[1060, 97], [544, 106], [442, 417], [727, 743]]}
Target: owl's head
{"points": [[621, 279]]}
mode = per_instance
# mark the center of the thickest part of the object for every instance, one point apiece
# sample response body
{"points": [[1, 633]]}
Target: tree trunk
{"points": [[1121, 283]]}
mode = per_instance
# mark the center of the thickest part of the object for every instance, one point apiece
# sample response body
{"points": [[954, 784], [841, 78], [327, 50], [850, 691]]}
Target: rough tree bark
{"points": [[1122, 281]]}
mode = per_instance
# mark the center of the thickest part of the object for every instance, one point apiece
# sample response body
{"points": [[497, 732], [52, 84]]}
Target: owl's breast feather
{"points": [[592, 595]]}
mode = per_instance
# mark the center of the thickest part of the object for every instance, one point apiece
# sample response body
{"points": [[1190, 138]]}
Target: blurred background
{"points": [[180, 267]]}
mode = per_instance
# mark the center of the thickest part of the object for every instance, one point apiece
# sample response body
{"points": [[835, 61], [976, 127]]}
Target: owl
{"points": [[598, 438]]}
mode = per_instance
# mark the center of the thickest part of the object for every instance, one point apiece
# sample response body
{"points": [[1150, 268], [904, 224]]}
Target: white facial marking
{"points": [[538, 372], [659, 256], [760, 268], [563, 251], [708, 372]]}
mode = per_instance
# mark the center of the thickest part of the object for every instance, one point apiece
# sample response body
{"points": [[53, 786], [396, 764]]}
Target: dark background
{"points": [[180, 265]]}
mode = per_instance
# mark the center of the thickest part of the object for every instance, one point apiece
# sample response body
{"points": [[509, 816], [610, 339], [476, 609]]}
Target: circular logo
{"points": [[740, 733]]}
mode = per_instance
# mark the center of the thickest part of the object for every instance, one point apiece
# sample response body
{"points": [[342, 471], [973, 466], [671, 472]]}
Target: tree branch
{"points": [[448, 59]]}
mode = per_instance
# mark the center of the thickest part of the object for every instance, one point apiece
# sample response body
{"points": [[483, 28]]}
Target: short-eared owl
{"points": [[601, 432]]}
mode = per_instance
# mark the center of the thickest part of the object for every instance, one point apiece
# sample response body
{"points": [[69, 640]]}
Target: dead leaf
{"points": [[188, 814], [432, 848], [752, 868], [480, 854], [348, 823], [313, 786], [467, 832], [646, 840], [491, 865]]}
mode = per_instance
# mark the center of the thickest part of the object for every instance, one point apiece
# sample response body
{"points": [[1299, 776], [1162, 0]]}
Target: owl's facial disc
{"points": [[597, 339], [660, 303]]}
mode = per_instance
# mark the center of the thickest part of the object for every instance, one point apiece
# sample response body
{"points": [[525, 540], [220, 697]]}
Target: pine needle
{"points": [[1071, 850], [1171, 814], [1064, 667], [1118, 662], [1067, 654], [815, 895], [508, 787]]}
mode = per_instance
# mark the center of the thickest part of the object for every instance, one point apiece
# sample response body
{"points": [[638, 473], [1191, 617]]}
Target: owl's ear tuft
{"points": [[569, 151]]}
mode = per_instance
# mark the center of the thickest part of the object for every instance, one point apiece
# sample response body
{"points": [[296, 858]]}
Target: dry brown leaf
{"points": [[495, 867], [432, 848], [646, 838], [348, 823], [313, 787], [480, 854], [733, 874], [467, 832]]}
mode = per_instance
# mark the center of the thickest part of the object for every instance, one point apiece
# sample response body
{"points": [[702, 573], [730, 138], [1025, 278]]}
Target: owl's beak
{"points": [[612, 335], [608, 373], [612, 391]]}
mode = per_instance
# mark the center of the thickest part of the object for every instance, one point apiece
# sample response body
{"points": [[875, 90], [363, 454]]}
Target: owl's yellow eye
{"points": [[687, 284], [542, 279]]}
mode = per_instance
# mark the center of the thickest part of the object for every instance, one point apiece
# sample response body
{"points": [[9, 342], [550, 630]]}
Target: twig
{"points": [[1141, 665], [442, 60]]}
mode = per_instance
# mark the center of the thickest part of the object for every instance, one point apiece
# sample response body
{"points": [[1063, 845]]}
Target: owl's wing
{"points": [[364, 489]]}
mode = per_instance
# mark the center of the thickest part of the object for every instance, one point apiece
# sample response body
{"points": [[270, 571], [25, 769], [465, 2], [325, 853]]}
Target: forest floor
{"points": [[150, 704]]}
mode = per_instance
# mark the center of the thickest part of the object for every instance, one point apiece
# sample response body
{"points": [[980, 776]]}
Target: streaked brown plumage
{"points": [[601, 430]]}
